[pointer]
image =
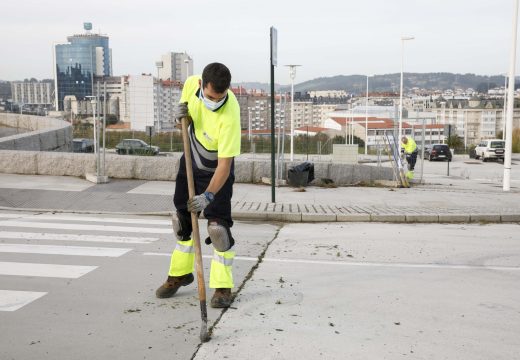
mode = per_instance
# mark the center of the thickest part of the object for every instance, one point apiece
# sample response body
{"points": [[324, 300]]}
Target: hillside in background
{"points": [[390, 82]]}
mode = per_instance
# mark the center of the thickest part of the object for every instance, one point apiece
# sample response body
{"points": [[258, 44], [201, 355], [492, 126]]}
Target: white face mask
{"points": [[210, 104]]}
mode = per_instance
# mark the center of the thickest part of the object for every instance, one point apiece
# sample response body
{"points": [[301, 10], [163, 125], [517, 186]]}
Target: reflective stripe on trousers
{"points": [[221, 275], [183, 258]]}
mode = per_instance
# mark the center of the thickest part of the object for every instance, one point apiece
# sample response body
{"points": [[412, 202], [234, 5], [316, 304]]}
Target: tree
{"points": [[111, 119], [455, 142]]}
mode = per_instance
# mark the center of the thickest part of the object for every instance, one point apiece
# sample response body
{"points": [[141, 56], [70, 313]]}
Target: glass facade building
{"points": [[77, 62]]}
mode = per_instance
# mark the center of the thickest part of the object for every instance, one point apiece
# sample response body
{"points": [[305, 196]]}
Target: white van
{"points": [[490, 149]]}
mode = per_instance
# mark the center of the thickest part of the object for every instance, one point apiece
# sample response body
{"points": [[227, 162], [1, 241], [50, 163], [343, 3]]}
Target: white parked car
{"points": [[490, 149]]}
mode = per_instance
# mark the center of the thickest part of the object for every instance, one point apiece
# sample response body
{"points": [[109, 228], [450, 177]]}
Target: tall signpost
{"points": [[274, 45]]}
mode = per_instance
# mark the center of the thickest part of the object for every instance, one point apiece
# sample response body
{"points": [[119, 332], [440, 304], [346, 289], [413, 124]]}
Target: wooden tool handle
{"points": [[194, 217]]}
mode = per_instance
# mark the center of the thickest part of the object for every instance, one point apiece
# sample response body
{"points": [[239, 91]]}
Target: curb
{"points": [[298, 217]]}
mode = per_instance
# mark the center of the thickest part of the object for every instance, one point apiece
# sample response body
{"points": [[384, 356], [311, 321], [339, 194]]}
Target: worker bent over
{"points": [[214, 135], [410, 151]]}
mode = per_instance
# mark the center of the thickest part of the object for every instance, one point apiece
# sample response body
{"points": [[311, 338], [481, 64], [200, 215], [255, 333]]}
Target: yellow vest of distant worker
{"points": [[410, 146]]}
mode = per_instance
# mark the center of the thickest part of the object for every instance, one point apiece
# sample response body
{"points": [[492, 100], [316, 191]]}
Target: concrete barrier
{"points": [[44, 133], [165, 168]]}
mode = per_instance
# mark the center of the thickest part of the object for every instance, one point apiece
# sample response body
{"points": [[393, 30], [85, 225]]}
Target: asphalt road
{"points": [[82, 287], [94, 297]]}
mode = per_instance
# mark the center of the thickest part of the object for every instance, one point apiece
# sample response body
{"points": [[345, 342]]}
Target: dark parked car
{"points": [[437, 152], [136, 147], [83, 145]]}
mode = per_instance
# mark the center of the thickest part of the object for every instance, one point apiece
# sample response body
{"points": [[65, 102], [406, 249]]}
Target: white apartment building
{"points": [[321, 112], [151, 102], [474, 119], [175, 67], [167, 96], [32, 93], [140, 98], [303, 114], [259, 113], [115, 88]]}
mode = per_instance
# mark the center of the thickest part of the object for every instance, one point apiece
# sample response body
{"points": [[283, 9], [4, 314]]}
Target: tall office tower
{"points": [[77, 62], [176, 67]]}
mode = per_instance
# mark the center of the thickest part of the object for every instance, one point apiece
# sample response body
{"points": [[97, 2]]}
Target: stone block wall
{"points": [[345, 153], [166, 167], [44, 133]]}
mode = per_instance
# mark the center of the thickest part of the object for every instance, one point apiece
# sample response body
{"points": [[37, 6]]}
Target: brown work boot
{"points": [[222, 298], [172, 284]]}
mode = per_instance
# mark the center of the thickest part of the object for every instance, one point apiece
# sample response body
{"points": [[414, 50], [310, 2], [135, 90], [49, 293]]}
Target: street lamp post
{"points": [[187, 62], [366, 120], [292, 74], [159, 65], [505, 109], [510, 104], [403, 39], [93, 102], [443, 119]]}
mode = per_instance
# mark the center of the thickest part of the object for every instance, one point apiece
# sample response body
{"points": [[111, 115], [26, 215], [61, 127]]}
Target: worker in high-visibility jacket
{"points": [[410, 151], [214, 140]]}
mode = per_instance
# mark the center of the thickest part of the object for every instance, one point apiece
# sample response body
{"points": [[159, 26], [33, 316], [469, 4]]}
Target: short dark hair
{"points": [[218, 75]]}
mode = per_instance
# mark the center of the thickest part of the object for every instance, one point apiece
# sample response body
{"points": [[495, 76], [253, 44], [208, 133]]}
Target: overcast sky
{"points": [[327, 37]]}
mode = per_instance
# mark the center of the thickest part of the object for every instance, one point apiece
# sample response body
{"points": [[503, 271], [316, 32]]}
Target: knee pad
{"points": [[181, 224], [220, 235]]}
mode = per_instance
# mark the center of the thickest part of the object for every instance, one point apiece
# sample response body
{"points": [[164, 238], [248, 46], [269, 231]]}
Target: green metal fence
{"points": [[172, 141]]}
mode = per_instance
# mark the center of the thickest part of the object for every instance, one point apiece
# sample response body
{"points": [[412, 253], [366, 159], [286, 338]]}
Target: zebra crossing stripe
{"points": [[11, 300], [106, 220], [44, 270], [74, 237], [87, 219], [84, 227], [62, 250]]}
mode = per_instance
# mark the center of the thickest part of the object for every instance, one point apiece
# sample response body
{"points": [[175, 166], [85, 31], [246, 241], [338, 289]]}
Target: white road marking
{"points": [[366, 264], [11, 216], [244, 258], [11, 300], [103, 219], [62, 250], [395, 265], [106, 220], [84, 227], [75, 237], [44, 270]]}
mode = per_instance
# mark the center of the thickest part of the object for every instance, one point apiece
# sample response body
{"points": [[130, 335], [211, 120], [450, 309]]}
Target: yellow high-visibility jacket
{"points": [[410, 146]]}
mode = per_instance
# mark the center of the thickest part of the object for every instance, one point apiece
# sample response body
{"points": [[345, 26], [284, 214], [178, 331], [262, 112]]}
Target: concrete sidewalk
{"points": [[442, 199]]}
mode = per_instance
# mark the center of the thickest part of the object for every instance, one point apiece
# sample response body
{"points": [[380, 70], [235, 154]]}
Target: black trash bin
{"points": [[301, 175]]}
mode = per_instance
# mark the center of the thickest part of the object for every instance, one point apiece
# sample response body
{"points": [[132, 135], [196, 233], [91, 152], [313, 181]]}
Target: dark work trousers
{"points": [[220, 207], [411, 159]]}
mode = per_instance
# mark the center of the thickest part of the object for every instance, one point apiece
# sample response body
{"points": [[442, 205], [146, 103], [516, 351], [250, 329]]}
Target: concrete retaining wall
{"points": [[345, 153], [165, 168], [45, 133]]}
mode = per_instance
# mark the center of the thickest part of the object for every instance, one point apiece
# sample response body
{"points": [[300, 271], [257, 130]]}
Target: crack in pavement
{"points": [[246, 279]]}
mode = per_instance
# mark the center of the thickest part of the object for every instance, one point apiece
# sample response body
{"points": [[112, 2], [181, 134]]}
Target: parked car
{"points": [[437, 152], [490, 149], [83, 145], [136, 147]]}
